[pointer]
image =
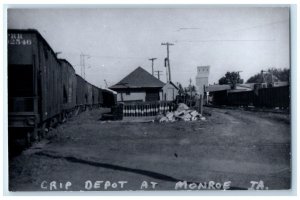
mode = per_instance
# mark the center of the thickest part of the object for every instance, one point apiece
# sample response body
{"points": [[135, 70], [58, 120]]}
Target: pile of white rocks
{"points": [[183, 113]]}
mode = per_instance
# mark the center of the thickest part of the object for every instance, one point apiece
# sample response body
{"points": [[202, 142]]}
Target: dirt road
{"points": [[231, 145]]}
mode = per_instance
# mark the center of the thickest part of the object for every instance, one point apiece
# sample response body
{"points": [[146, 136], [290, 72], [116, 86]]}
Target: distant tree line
{"points": [[183, 91], [274, 74], [279, 74]]}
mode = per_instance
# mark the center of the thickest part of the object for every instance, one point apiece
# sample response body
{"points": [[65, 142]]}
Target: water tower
{"points": [[202, 78]]}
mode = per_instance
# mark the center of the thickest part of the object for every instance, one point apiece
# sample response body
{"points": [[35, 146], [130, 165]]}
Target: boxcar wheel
{"points": [[42, 131], [35, 136], [28, 139]]}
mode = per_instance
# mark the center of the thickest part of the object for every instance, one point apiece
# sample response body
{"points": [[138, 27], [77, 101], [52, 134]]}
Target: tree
{"points": [[281, 74], [193, 88], [180, 90], [223, 81], [231, 78], [185, 90], [255, 78]]}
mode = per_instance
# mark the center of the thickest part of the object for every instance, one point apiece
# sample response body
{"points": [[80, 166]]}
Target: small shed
{"points": [[169, 92]]}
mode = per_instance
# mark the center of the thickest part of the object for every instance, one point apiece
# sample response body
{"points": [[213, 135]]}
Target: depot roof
{"points": [[139, 78]]}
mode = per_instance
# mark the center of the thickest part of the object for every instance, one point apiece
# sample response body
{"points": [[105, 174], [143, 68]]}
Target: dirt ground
{"points": [[231, 145]]}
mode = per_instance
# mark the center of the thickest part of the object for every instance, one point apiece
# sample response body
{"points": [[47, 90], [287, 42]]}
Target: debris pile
{"points": [[181, 113]]}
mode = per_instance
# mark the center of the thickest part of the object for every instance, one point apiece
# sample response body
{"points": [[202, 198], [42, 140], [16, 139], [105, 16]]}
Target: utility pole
{"points": [[168, 60], [82, 63], [239, 73], [262, 76], [190, 89], [158, 74], [152, 59]]}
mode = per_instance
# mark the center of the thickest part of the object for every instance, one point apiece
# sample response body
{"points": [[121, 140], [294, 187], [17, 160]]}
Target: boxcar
{"points": [[273, 97], [109, 98], [89, 92], [100, 97], [240, 98], [95, 98], [68, 86], [219, 97], [34, 79], [42, 88], [81, 96]]}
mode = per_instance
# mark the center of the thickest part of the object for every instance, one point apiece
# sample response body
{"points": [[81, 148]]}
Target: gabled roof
{"points": [[174, 85], [170, 83], [139, 78]]}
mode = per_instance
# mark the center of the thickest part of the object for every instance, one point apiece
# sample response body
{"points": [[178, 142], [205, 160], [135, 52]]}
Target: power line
{"points": [[103, 56], [232, 31], [236, 30], [192, 41]]}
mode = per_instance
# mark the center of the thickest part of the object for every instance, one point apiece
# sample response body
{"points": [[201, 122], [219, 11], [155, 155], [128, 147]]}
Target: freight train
{"points": [[42, 89], [271, 97]]}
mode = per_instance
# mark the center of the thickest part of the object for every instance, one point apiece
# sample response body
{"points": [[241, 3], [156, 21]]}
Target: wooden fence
{"points": [[140, 109]]}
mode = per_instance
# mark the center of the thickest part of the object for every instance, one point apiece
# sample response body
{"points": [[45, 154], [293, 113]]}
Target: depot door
{"points": [[152, 95]]}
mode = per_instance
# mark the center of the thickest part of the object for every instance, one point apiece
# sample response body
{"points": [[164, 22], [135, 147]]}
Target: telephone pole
{"points": [[82, 63], [158, 74], [168, 60], [152, 59], [191, 88]]}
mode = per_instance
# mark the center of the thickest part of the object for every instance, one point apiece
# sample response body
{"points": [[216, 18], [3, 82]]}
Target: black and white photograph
{"points": [[158, 98]]}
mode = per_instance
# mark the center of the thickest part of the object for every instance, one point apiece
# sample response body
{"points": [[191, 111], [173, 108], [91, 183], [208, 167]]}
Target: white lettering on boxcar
{"points": [[17, 39]]}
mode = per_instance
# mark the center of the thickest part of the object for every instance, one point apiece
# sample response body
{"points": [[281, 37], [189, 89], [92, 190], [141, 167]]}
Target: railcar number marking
{"points": [[17, 39]]}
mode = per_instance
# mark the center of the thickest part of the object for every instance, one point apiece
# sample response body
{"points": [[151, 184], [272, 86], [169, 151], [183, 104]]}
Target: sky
{"points": [[118, 40]]}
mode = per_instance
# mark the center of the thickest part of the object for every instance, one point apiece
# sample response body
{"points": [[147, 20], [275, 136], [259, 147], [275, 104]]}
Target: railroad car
{"points": [[34, 81], [43, 89], [89, 92], [100, 97], [95, 96], [109, 98], [240, 98], [273, 97], [69, 84], [81, 91]]}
